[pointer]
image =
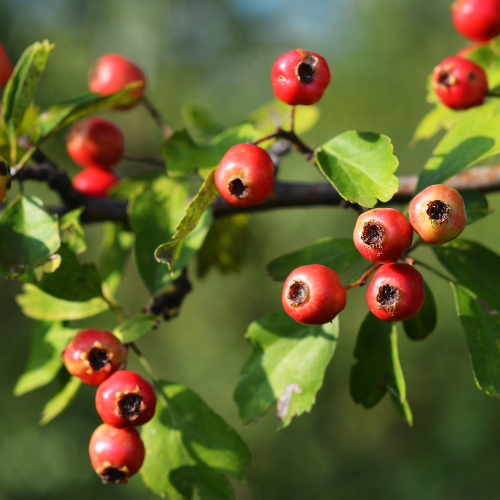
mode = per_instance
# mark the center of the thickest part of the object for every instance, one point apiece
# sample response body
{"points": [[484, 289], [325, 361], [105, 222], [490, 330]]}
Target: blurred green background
{"points": [[218, 53]]}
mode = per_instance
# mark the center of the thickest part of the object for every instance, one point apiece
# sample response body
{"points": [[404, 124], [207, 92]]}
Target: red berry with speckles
{"points": [[460, 83], [477, 20], [95, 182], [396, 292], [5, 66], [116, 454], [313, 295], [382, 235], [245, 175], [93, 355], [300, 77], [95, 142], [438, 214], [125, 399], [111, 73]]}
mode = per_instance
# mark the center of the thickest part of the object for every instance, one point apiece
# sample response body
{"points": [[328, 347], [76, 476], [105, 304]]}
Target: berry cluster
{"points": [[124, 400]]}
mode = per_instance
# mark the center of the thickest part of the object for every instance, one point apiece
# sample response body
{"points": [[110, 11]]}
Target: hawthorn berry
{"points": [[93, 355], [95, 182], [116, 454], [313, 295], [111, 73], [245, 175], [382, 235], [438, 214], [124, 399], [300, 77], [396, 292], [477, 20], [460, 83], [5, 66], [95, 142]]}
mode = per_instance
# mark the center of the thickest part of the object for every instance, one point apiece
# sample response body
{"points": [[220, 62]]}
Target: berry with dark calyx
{"points": [[477, 20], [300, 77], [111, 73], [460, 83], [396, 292], [125, 399], [95, 182], [95, 142], [245, 175], [313, 295], [93, 355], [438, 214], [116, 454], [382, 235], [5, 66]]}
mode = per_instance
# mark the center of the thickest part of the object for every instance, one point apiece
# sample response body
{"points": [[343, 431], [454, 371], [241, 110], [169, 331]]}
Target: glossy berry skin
{"points": [[382, 235], [125, 399], [477, 20], [460, 83], [116, 454], [95, 182], [5, 66], [93, 355], [95, 142], [300, 77], [313, 295], [111, 73], [438, 214], [396, 292], [245, 175]]}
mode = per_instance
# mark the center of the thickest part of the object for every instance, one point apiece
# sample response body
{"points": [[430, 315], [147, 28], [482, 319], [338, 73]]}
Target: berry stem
{"points": [[364, 277], [143, 360], [290, 137], [143, 158], [164, 127]]}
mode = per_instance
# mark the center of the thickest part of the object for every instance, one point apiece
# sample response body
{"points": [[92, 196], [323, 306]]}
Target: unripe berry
{"points": [[313, 295], [116, 454], [460, 83], [438, 214], [111, 73], [396, 292], [5, 66], [95, 182], [382, 235], [95, 142], [478, 20], [5, 180], [245, 175], [300, 77], [125, 399], [93, 355]]}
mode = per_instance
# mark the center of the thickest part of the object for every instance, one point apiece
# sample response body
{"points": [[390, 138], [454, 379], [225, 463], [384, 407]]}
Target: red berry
{"points": [[382, 235], [478, 20], [313, 295], [93, 355], [438, 214], [111, 73], [460, 83], [95, 142], [95, 182], [300, 77], [5, 66], [116, 454], [396, 292], [245, 175], [125, 399]]}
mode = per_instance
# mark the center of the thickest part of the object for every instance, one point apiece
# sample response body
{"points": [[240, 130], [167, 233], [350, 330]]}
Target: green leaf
{"points": [[474, 138], [62, 399], [48, 340], [360, 165], [133, 329], [199, 123], [37, 304], [377, 369], [339, 254], [476, 205], [289, 370], [482, 329], [434, 121], [189, 446], [423, 324], [72, 232]]}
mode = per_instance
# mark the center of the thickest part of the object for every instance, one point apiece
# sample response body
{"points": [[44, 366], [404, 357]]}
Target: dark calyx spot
{"points": [[388, 297], [4, 169], [298, 293], [373, 234], [238, 189], [98, 358], [114, 475], [306, 68], [445, 78], [472, 76], [438, 211], [130, 406]]}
